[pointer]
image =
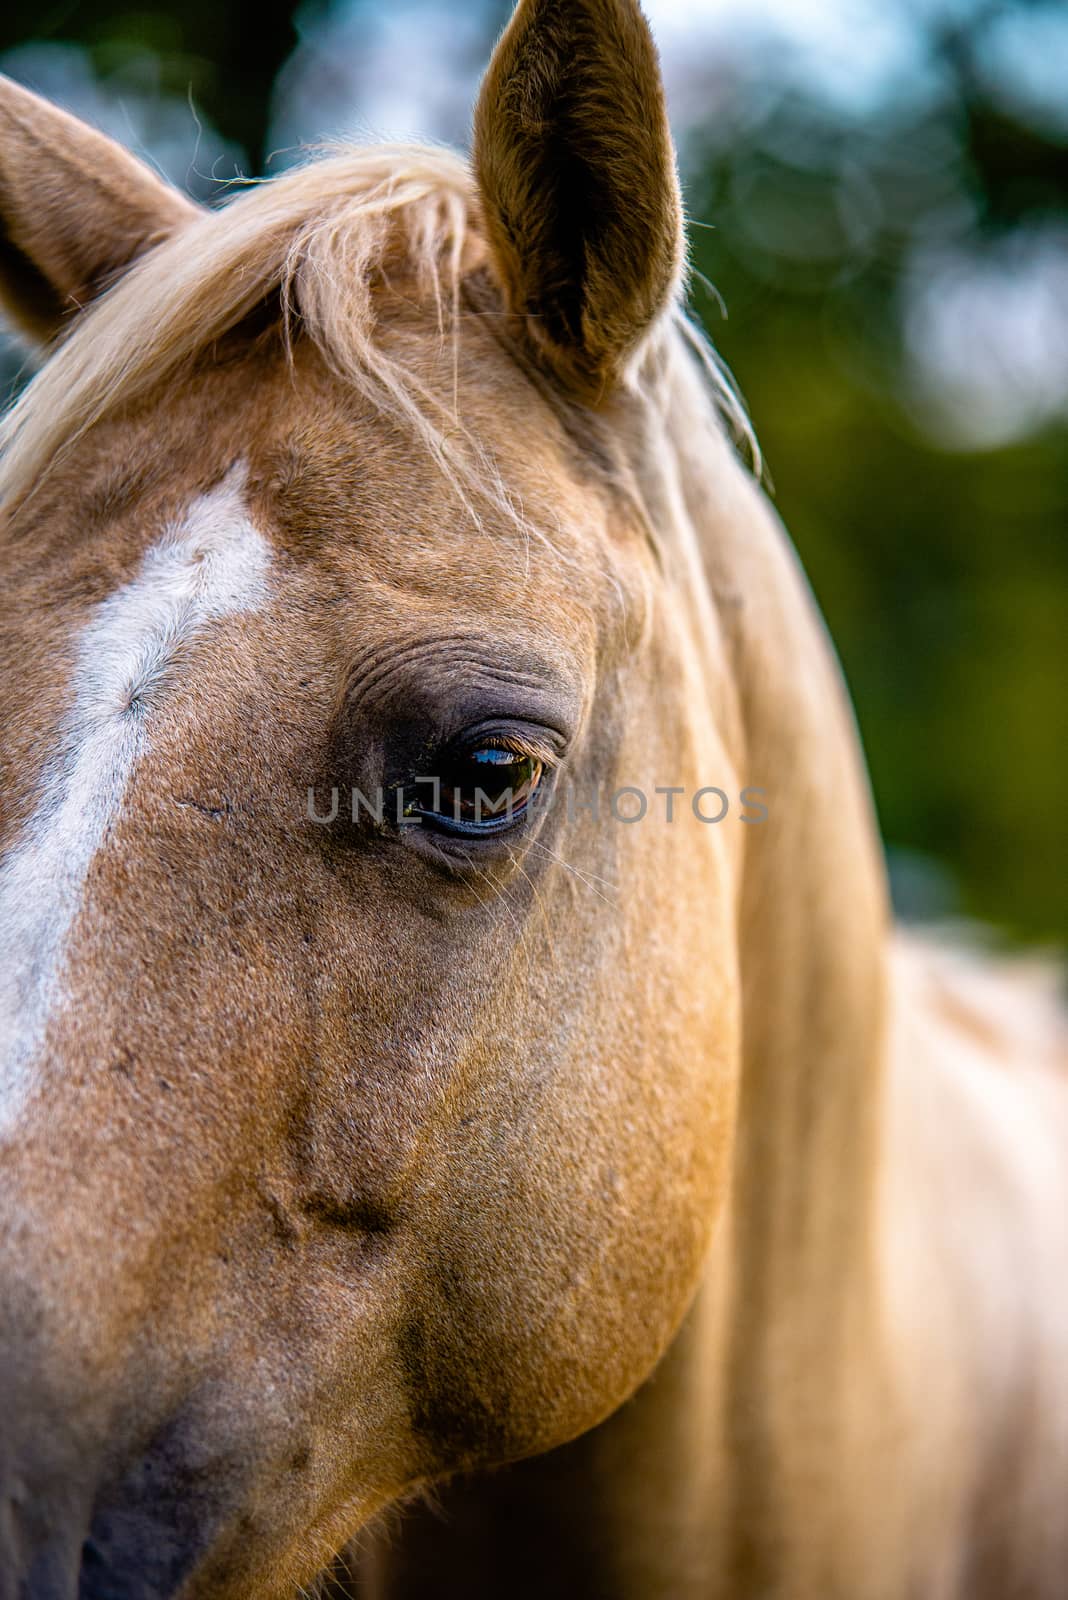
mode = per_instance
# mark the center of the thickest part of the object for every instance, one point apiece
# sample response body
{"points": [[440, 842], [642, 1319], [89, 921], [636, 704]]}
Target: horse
{"points": [[468, 1124]]}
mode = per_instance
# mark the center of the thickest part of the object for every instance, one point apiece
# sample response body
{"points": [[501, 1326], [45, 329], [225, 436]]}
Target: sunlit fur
{"points": [[645, 1164]]}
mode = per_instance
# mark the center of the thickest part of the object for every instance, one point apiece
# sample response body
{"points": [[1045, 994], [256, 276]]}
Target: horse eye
{"points": [[482, 789]]}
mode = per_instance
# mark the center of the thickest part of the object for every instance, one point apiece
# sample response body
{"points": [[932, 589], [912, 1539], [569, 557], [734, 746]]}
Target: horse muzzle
{"points": [[122, 1474], [140, 1538]]}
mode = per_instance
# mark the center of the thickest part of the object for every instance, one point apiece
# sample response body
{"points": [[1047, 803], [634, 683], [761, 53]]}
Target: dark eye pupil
{"points": [[488, 785], [479, 789]]}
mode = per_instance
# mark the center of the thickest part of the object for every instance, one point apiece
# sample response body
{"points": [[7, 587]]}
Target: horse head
{"points": [[368, 1065]]}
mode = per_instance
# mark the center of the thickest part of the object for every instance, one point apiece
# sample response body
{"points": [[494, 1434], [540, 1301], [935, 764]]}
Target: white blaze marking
{"points": [[213, 565]]}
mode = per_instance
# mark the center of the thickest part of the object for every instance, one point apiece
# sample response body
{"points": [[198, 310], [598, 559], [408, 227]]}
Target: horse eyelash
{"points": [[521, 745]]}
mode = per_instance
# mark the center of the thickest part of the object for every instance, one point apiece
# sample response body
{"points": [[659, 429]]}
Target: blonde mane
{"points": [[323, 236]]}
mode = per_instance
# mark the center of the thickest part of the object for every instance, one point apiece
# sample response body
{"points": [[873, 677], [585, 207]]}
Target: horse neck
{"points": [[802, 1330]]}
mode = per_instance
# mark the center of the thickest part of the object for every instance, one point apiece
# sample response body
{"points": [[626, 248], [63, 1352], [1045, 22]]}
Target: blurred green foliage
{"points": [[221, 56], [943, 573], [942, 567]]}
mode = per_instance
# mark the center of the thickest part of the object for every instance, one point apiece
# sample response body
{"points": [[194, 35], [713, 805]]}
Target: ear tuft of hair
{"points": [[578, 184], [76, 209]]}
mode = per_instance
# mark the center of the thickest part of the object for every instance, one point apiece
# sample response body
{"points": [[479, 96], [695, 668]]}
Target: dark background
{"points": [[880, 196]]}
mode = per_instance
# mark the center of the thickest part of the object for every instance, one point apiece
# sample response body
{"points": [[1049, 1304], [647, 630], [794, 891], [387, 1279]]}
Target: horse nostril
{"points": [[131, 1557], [152, 1527], [140, 1551], [102, 1579]]}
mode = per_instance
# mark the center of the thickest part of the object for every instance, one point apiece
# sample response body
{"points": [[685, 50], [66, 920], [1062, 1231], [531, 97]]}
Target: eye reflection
{"points": [[482, 789]]}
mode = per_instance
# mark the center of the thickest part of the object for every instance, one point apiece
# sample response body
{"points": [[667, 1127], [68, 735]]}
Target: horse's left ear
{"points": [[579, 189], [76, 209]]}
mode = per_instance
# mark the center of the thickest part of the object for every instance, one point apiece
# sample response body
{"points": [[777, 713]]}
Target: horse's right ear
{"points": [[576, 173], [75, 210]]}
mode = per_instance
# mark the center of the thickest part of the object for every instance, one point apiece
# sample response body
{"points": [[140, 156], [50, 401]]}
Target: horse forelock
{"points": [[327, 238], [316, 236]]}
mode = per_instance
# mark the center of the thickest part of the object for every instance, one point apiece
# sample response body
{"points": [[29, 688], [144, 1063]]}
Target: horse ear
{"points": [[75, 210], [576, 171]]}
